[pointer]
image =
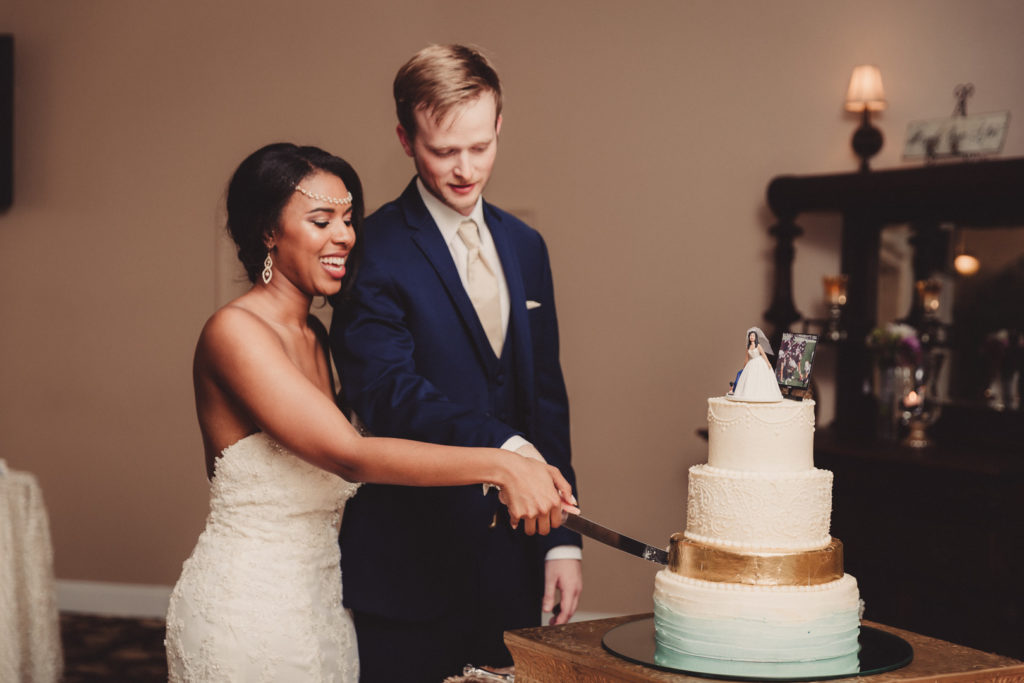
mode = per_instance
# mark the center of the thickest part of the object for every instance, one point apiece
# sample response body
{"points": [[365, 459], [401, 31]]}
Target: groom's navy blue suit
{"points": [[415, 363]]}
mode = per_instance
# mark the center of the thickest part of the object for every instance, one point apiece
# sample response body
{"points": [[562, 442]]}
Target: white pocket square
{"points": [[530, 305]]}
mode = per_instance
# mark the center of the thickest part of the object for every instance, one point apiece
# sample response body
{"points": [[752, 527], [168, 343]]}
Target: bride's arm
{"points": [[246, 360]]}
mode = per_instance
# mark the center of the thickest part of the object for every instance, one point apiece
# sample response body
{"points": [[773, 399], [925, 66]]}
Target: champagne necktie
{"points": [[482, 286]]}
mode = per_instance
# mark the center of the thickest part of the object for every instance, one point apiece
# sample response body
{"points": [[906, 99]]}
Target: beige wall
{"points": [[639, 137]]}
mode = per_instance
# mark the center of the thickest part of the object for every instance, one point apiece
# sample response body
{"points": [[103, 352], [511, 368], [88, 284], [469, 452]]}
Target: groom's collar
{"points": [[446, 218]]}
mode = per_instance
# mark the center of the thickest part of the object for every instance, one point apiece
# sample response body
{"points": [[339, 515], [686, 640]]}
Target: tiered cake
{"points": [[755, 585]]}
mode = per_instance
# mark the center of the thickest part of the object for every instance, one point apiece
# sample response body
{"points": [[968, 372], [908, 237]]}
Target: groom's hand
{"points": [[566, 577]]}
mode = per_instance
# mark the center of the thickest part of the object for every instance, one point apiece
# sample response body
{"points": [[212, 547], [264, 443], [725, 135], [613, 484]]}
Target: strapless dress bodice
{"points": [[262, 492]]}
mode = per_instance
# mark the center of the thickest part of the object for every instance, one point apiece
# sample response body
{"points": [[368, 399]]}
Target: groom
{"points": [[451, 337]]}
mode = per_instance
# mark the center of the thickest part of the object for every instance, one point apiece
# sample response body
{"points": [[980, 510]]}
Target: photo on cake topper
{"points": [[794, 363]]}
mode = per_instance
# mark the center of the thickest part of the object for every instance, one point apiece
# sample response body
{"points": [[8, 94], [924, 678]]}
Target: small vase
{"points": [[892, 384]]}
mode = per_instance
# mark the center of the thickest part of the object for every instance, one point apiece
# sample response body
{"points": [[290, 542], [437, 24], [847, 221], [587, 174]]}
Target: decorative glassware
{"points": [[835, 296]]}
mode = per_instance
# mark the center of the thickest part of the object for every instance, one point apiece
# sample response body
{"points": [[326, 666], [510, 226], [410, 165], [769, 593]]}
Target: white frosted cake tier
{"points": [[761, 437], [759, 511], [734, 623]]}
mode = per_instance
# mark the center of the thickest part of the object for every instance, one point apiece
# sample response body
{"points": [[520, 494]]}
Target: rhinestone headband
{"points": [[323, 198]]}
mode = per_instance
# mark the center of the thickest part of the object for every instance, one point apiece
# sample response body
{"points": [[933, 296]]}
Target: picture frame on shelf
{"points": [[956, 136]]}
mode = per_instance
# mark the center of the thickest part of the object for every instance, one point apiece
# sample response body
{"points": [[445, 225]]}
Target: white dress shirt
{"points": [[448, 221]]}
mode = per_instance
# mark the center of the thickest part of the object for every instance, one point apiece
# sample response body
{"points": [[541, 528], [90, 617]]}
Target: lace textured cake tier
{"points": [[758, 511]]}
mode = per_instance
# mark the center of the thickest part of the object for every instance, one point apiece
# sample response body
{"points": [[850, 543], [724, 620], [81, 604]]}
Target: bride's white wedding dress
{"points": [[260, 597]]}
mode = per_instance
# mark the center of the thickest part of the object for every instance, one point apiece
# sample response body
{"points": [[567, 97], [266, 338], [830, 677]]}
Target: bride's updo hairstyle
{"points": [[262, 186]]}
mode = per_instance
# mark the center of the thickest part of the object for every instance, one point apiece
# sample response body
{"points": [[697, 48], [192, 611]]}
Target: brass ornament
{"points": [[805, 568]]}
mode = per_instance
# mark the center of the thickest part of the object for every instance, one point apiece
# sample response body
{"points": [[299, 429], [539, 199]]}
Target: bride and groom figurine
{"points": [[756, 382], [429, 567]]}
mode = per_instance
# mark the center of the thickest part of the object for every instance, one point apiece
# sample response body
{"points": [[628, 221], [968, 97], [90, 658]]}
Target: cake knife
{"points": [[582, 525]]}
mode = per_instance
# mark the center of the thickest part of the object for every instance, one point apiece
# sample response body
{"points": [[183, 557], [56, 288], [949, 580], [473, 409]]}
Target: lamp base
{"points": [[867, 140]]}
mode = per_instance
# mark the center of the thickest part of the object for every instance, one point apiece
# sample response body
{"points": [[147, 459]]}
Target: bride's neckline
{"points": [[217, 462]]}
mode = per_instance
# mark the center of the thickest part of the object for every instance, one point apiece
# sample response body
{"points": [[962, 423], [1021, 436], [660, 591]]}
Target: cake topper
{"points": [[756, 382], [793, 367]]}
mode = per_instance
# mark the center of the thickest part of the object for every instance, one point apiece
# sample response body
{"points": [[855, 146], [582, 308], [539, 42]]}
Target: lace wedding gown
{"points": [[260, 597]]}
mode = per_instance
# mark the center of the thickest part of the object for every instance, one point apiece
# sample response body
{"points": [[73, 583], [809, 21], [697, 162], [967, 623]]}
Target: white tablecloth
{"points": [[30, 650]]}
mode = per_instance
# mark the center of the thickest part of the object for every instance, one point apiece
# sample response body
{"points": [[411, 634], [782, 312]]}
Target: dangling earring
{"points": [[267, 272]]}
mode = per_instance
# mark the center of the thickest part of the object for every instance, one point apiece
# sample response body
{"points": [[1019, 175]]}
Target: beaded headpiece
{"points": [[324, 198]]}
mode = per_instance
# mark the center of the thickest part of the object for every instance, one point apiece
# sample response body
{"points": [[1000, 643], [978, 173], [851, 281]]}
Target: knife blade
{"points": [[582, 525]]}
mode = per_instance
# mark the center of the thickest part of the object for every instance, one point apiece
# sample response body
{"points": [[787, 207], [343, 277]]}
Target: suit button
{"points": [[500, 378], [503, 416]]}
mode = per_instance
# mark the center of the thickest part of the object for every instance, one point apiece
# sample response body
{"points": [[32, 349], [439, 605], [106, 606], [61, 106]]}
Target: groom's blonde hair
{"points": [[439, 78]]}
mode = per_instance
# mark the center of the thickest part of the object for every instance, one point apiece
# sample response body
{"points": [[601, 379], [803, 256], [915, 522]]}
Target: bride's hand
{"points": [[535, 493]]}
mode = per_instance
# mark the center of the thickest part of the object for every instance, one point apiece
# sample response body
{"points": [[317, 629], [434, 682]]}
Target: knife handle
{"points": [[477, 672]]}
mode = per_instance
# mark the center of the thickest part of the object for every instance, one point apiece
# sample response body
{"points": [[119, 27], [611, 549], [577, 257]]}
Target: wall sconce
{"points": [[835, 296], [964, 263], [866, 95]]}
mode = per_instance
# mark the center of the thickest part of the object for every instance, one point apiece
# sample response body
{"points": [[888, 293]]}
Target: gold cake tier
{"points": [[806, 568]]}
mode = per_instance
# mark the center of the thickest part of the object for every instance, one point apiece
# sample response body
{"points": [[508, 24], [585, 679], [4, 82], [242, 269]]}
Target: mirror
{"points": [[988, 318], [941, 203], [982, 361]]}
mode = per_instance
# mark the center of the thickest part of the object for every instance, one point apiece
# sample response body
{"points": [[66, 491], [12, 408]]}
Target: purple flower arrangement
{"points": [[895, 344]]}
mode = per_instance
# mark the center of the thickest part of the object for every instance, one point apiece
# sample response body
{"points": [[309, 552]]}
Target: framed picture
{"points": [[794, 363], [956, 136]]}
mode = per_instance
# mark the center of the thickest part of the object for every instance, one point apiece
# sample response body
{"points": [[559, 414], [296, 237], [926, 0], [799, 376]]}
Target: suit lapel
{"points": [[427, 237]]}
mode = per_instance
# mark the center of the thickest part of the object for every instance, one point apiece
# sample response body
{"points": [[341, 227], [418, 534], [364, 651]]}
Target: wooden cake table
{"points": [[573, 653]]}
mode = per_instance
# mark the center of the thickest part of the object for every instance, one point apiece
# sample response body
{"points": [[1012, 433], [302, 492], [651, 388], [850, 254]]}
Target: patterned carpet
{"points": [[112, 649], [118, 649]]}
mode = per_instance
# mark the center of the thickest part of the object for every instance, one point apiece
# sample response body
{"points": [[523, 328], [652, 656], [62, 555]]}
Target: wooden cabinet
{"points": [[967, 195], [935, 536]]}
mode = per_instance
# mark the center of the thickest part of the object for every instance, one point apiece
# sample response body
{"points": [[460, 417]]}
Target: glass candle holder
{"points": [[835, 289], [928, 294], [835, 297]]}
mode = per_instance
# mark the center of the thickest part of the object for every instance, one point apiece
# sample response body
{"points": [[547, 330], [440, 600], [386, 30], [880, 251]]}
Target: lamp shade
{"points": [[865, 91]]}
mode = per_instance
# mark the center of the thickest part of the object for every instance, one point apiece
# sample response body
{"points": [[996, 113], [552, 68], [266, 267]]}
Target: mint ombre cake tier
{"points": [[755, 585]]}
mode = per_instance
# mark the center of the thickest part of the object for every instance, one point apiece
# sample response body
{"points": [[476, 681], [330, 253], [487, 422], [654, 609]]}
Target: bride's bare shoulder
{"points": [[232, 330], [231, 320]]}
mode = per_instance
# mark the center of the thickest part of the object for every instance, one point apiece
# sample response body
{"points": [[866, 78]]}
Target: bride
{"points": [[259, 599]]}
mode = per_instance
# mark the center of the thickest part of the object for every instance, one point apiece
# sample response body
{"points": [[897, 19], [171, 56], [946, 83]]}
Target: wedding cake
{"points": [[755, 584]]}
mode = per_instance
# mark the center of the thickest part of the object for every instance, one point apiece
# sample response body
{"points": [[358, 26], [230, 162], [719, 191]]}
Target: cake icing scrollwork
{"points": [[743, 510]]}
